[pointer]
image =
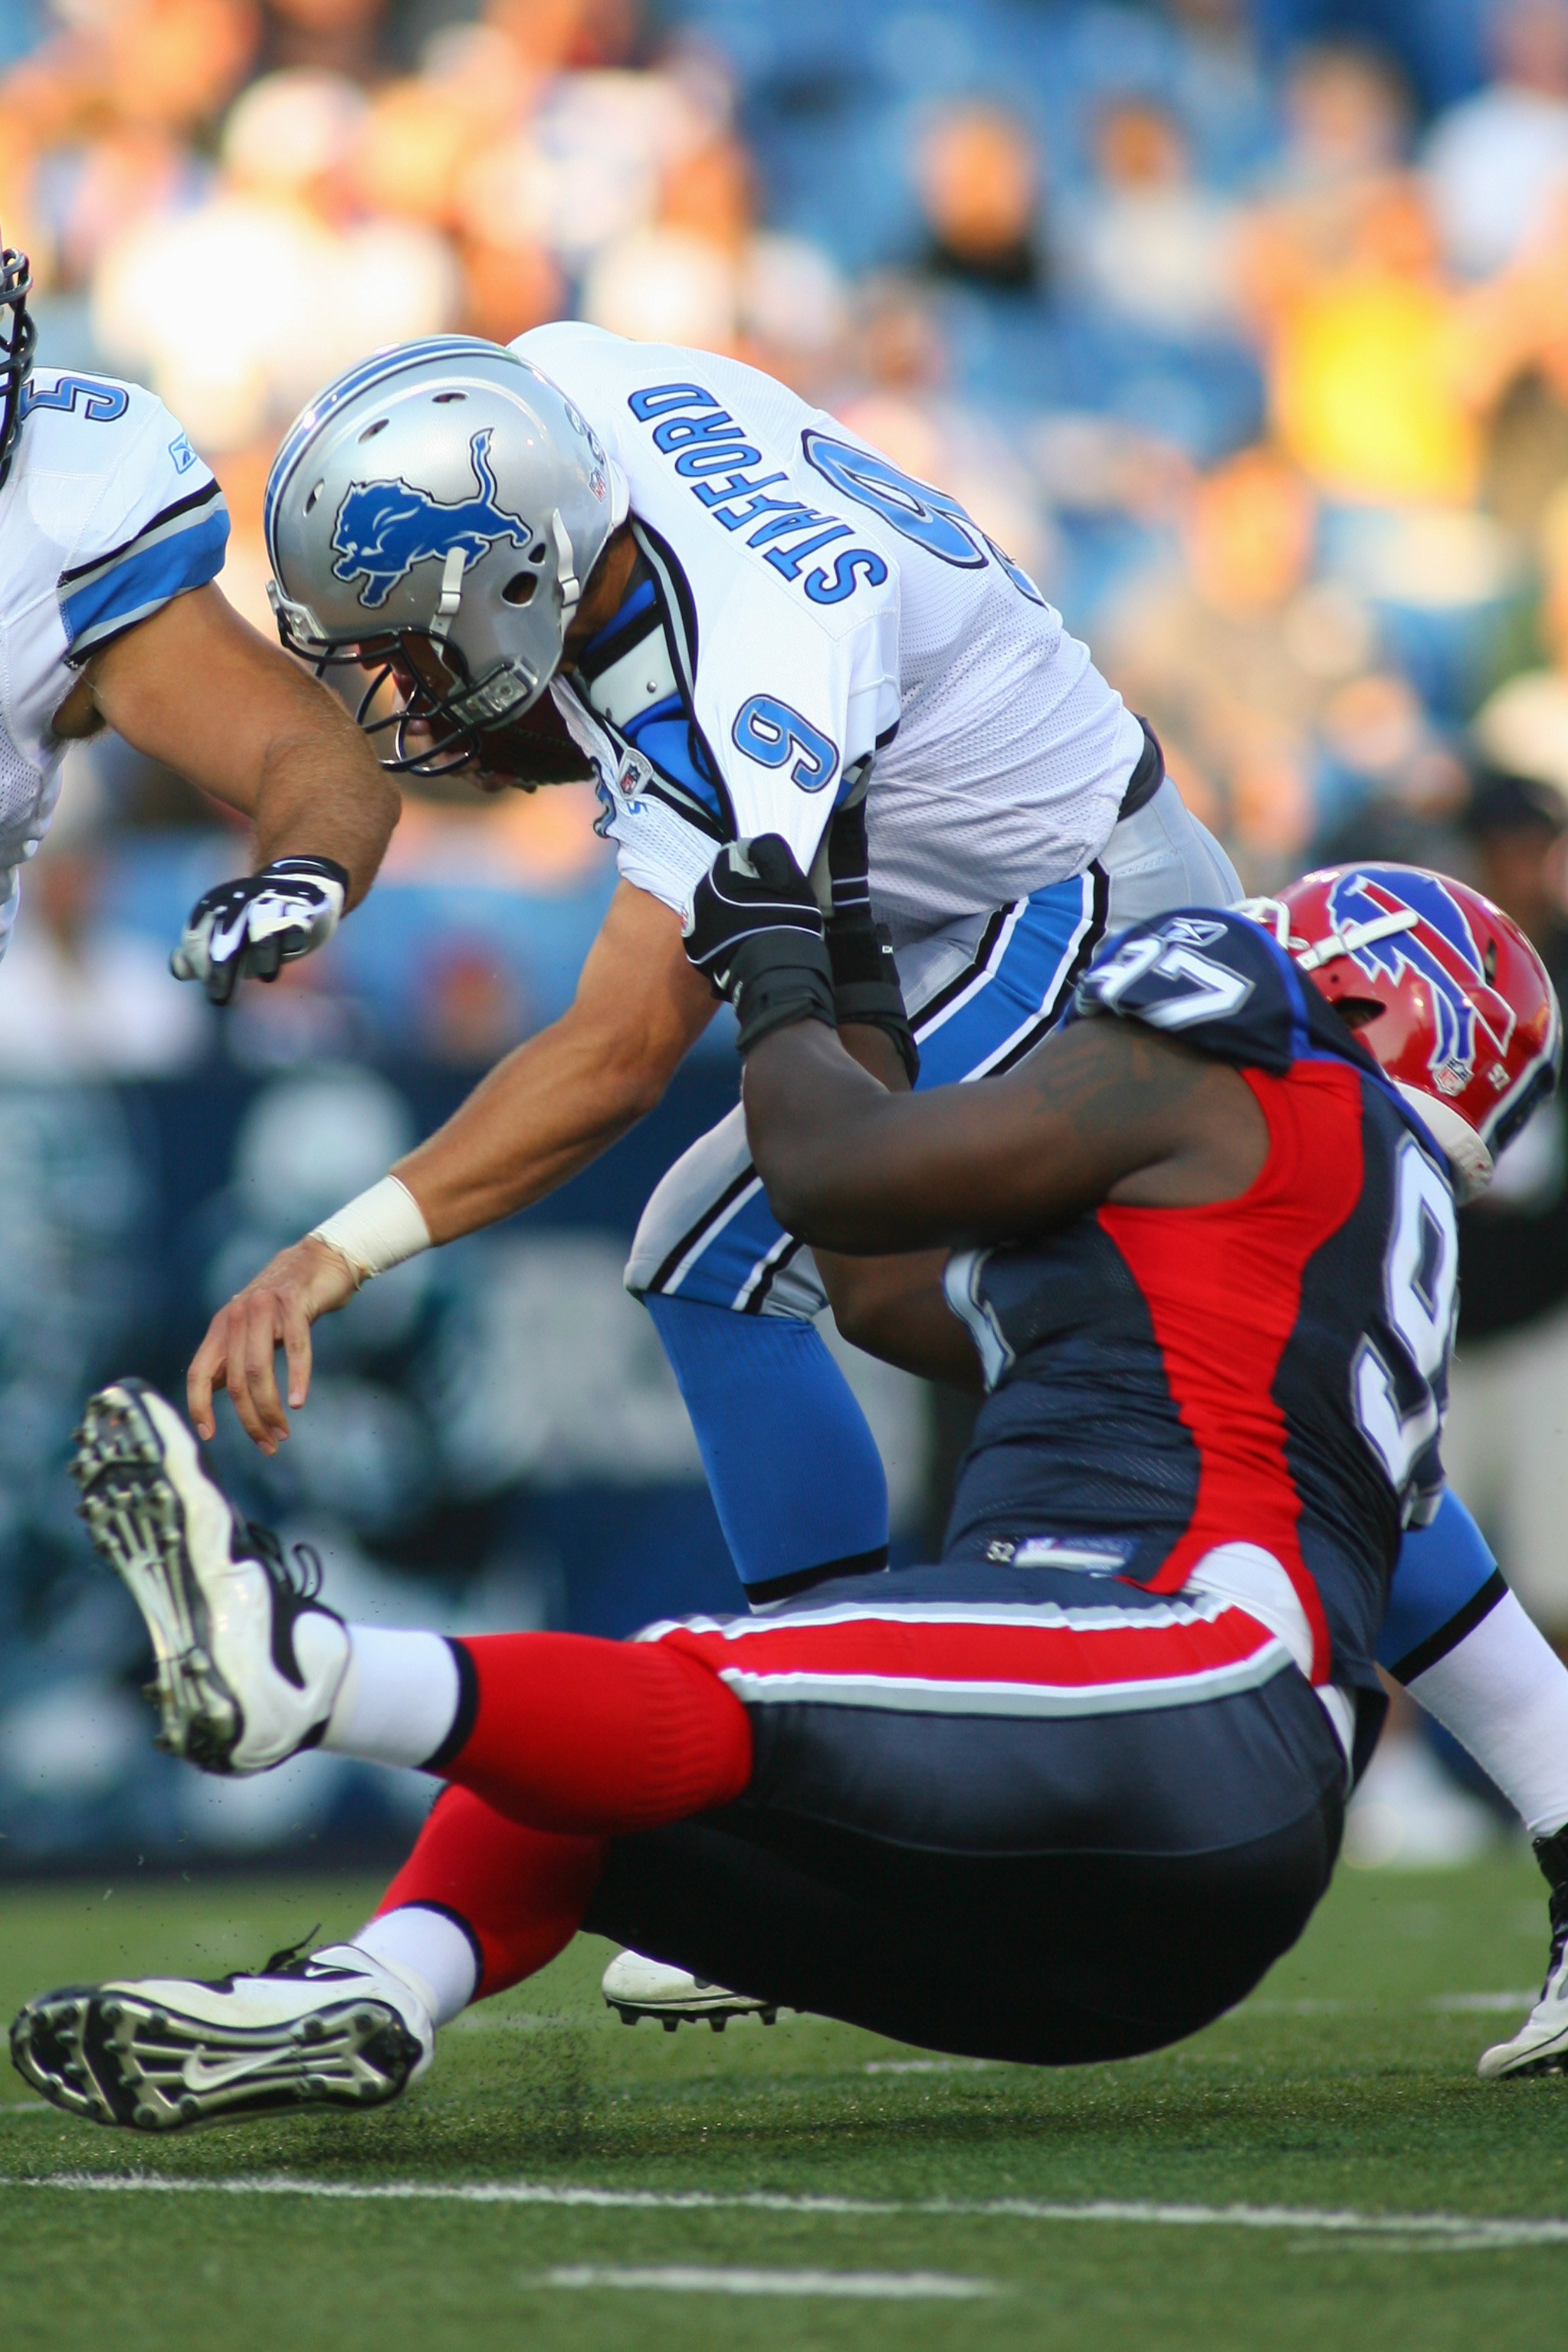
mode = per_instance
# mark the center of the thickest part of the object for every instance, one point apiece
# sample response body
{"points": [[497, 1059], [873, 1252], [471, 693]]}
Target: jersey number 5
{"points": [[100, 403], [1395, 1403]]}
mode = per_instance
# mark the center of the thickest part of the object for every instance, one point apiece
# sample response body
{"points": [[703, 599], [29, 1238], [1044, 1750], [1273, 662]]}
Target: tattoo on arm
{"points": [[1105, 1077]]}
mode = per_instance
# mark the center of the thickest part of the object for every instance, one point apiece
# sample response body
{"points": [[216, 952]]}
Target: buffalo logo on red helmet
{"points": [[1445, 991], [1471, 1021]]}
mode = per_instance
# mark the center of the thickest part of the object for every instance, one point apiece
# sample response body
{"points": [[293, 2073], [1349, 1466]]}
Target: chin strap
{"points": [[567, 578], [1469, 1161], [451, 595]]}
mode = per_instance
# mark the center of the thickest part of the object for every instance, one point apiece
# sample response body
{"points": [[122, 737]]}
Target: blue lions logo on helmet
{"points": [[385, 529], [1440, 951]]}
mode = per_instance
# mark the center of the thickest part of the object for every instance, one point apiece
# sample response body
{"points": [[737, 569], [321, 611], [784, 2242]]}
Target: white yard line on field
{"points": [[1440, 2003], [927, 2066], [1431, 2229], [881, 2286], [1483, 2002]]}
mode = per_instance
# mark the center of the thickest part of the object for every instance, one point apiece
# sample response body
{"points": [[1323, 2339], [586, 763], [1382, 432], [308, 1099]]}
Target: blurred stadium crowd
{"points": [[1245, 329]]}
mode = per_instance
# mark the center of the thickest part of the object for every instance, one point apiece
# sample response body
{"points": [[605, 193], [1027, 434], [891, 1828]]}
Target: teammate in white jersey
{"points": [[111, 534]]}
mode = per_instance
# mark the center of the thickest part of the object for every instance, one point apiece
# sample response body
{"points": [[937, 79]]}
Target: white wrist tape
{"points": [[376, 1229]]}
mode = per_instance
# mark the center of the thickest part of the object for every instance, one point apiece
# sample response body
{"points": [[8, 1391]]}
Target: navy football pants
{"points": [[988, 1819]]}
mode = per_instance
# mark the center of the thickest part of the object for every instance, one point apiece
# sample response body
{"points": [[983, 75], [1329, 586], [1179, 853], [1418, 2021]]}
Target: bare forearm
{"points": [[546, 1111], [197, 688], [922, 1334], [875, 1053], [895, 1307], [848, 1166], [320, 794], [561, 1100]]}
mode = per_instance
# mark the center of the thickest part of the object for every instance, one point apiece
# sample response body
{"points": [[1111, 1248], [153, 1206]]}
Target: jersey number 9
{"points": [[773, 734], [1396, 1405]]}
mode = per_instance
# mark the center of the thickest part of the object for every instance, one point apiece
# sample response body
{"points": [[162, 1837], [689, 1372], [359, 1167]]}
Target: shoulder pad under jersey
{"points": [[1219, 982], [120, 505]]}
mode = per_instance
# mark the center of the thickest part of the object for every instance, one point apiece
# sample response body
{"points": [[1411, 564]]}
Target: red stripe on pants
{"points": [[1057, 1657]]}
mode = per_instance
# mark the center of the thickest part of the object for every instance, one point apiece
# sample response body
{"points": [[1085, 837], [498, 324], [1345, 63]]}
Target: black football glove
{"points": [[255, 925], [864, 977], [755, 933]]}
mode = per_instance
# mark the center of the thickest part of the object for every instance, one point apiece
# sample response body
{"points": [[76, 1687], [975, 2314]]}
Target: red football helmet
{"points": [[1444, 989]]}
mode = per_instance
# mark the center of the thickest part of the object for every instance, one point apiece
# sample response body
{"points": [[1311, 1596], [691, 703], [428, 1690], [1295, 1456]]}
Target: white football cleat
{"points": [[639, 1988], [1541, 2046], [328, 2030], [248, 1660]]}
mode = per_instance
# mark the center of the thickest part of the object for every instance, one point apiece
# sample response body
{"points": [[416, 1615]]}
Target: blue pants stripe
{"points": [[985, 1020]]}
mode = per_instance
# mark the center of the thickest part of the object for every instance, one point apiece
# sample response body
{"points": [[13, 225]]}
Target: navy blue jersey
{"points": [[1269, 1370]]}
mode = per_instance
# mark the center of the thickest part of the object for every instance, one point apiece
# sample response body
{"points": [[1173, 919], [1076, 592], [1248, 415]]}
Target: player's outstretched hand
{"points": [[240, 1351], [260, 922]]}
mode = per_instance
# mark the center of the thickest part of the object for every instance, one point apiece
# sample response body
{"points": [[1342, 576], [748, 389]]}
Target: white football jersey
{"points": [[107, 514], [821, 614]]}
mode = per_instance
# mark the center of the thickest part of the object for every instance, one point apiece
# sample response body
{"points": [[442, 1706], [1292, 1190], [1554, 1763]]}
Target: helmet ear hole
{"points": [[538, 552], [1357, 1011], [520, 588]]}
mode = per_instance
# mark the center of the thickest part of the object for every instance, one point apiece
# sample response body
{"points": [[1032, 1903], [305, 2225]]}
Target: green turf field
{"points": [[1344, 2092]]}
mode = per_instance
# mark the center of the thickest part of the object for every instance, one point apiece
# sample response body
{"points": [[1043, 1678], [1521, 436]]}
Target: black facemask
{"points": [[18, 341]]}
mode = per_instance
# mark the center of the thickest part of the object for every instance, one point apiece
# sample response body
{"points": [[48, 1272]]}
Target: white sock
{"points": [[1503, 1693], [398, 1697], [428, 1951]]}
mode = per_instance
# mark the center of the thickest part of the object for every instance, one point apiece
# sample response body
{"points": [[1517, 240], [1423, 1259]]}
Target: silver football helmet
{"points": [[433, 516]]}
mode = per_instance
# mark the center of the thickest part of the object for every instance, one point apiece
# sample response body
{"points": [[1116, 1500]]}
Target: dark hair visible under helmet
{"points": [[18, 341]]}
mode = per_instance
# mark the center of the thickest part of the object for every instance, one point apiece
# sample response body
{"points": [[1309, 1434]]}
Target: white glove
{"points": [[257, 924]]}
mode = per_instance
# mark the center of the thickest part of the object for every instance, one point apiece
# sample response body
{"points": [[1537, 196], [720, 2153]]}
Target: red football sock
{"points": [[520, 1893], [599, 1739]]}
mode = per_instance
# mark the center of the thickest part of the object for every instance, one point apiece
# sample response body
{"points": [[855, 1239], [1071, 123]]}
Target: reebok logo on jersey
{"points": [[1193, 932], [385, 529]]}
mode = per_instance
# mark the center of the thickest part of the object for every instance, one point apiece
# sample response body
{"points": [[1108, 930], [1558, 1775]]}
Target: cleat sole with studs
{"points": [[671, 2016], [120, 2061], [134, 1516]]}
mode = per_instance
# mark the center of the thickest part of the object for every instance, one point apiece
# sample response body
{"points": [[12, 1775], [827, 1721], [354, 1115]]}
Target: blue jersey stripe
{"points": [[206, 494], [148, 577]]}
